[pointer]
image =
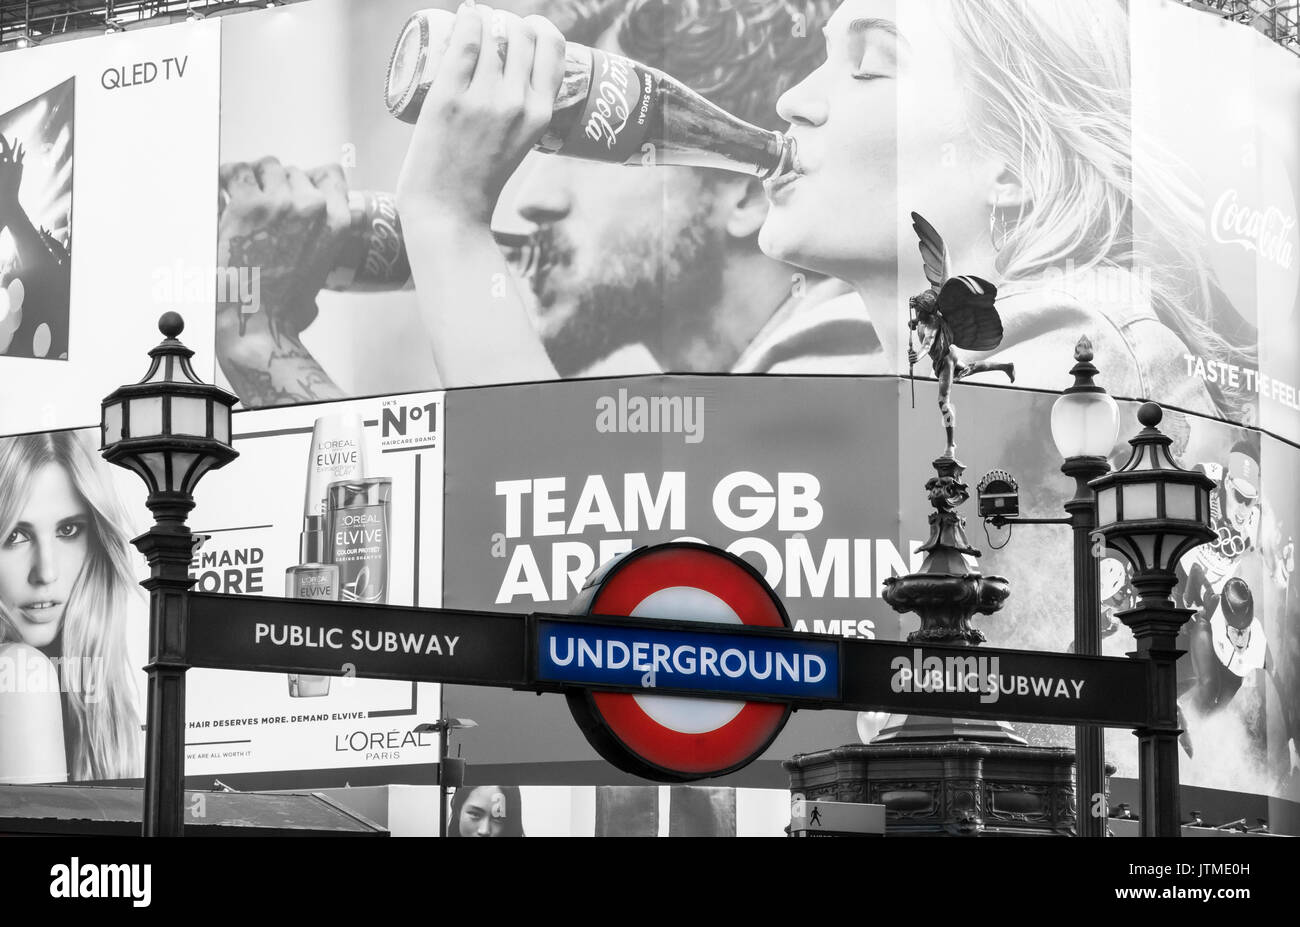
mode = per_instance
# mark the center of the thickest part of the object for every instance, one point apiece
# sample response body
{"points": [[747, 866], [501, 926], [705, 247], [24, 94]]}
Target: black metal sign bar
{"points": [[984, 682], [267, 634]]}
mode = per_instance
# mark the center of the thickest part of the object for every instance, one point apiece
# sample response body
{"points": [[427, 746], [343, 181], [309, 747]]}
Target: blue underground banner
{"points": [[686, 660]]}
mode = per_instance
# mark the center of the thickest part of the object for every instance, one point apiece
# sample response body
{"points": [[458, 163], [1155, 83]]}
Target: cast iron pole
{"points": [[1089, 739], [1155, 628], [168, 546]]}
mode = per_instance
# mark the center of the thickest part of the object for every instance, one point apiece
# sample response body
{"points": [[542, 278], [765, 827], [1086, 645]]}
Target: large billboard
{"points": [[804, 479], [339, 503], [1056, 148], [106, 165]]}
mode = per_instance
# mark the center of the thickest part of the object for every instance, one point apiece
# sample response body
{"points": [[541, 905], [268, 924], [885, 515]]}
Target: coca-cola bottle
{"points": [[609, 108], [373, 254]]}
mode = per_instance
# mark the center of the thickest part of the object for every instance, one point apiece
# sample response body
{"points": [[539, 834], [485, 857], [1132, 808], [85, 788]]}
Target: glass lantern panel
{"points": [[156, 463], [189, 416], [1106, 506], [1146, 547], [221, 422], [1139, 501], [1180, 501], [113, 423], [181, 464], [146, 416]]}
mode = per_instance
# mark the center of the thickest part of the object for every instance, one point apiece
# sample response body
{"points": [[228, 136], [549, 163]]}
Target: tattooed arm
{"points": [[265, 370], [279, 236]]}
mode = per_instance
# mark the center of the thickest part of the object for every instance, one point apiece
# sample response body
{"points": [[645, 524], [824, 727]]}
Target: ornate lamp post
{"points": [[1085, 423], [1151, 512], [170, 429]]}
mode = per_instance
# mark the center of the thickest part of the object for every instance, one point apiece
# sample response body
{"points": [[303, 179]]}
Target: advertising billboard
{"points": [[1087, 196], [340, 503], [793, 475], [109, 147]]}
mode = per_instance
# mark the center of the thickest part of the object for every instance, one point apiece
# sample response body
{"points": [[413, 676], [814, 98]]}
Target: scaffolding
{"points": [[31, 21], [1277, 19]]}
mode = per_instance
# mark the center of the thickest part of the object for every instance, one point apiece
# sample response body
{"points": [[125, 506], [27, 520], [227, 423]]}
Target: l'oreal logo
{"points": [[365, 518], [624, 414]]}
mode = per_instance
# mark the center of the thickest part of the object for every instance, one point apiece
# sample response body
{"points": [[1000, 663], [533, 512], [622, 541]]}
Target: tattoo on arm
{"points": [[289, 375]]}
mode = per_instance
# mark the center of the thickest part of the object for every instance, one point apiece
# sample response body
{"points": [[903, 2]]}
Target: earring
{"points": [[999, 229]]}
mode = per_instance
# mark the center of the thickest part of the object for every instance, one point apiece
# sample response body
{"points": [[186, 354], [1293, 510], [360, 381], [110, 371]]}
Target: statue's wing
{"points": [[934, 254], [967, 305]]}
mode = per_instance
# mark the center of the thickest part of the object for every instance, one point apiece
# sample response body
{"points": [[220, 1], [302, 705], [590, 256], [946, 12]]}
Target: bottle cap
{"points": [[311, 543], [347, 493]]}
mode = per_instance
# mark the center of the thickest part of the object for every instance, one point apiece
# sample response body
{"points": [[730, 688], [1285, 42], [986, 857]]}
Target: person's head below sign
{"points": [[486, 811]]}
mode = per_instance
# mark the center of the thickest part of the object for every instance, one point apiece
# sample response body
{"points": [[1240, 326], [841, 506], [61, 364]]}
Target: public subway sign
{"points": [[367, 641], [698, 661], [983, 682]]}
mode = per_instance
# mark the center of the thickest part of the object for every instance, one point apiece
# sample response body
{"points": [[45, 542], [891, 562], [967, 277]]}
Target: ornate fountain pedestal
{"points": [[944, 776]]}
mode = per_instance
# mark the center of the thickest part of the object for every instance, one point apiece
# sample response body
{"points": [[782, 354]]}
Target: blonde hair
{"points": [[1051, 91], [102, 725]]}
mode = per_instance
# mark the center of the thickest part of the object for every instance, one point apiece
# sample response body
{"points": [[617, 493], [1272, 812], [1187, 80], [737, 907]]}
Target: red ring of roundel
{"points": [[755, 724]]}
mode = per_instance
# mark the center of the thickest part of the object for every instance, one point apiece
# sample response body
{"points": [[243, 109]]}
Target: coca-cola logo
{"points": [[384, 251], [1266, 232], [609, 105]]}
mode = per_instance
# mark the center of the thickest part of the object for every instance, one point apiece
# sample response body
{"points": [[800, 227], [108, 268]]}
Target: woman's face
{"points": [[42, 554], [484, 813], [881, 132]]}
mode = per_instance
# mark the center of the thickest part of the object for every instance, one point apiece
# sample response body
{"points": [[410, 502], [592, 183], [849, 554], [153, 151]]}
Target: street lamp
{"points": [[443, 727], [169, 429], [1152, 512], [1085, 423]]}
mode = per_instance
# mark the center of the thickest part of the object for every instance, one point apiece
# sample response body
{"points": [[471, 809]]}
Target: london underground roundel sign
{"points": [[675, 738]]}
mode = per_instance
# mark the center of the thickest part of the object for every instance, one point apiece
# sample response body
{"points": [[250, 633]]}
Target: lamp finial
{"points": [[171, 324]]}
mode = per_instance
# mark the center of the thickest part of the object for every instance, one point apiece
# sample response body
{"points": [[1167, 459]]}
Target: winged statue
{"points": [[955, 312]]}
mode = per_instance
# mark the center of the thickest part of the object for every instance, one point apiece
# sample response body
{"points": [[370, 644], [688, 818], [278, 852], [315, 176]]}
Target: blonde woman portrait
{"points": [[68, 705], [1006, 124]]}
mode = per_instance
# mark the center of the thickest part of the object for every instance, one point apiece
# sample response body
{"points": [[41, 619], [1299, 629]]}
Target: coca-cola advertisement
{"points": [[567, 213], [616, 233]]}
